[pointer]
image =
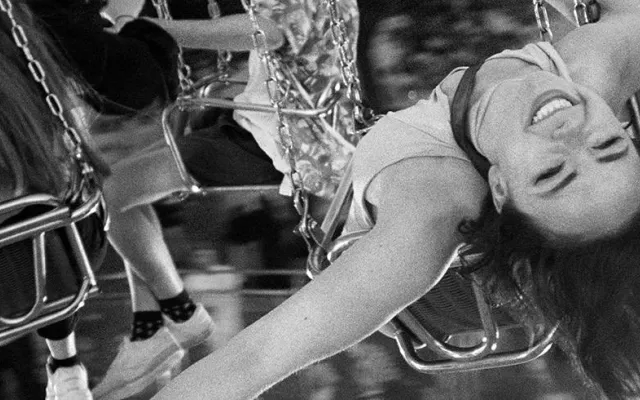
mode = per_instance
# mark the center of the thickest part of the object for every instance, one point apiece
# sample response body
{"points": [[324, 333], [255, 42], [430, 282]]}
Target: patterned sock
{"points": [[179, 308], [145, 324], [54, 363]]}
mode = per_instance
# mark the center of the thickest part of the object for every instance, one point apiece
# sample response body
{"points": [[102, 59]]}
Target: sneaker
{"points": [[193, 331], [138, 365], [68, 383]]}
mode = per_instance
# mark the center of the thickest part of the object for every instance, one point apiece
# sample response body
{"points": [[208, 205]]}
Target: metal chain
{"points": [[224, 57], [586, 13], [348, 70], [278, 88], [71, 138], [184, 71], [542, 19]]}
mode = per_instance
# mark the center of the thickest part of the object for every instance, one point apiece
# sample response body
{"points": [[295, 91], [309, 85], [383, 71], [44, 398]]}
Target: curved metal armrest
{"points": [[42, 312], [201, 88], [492, 360], [195, 103]]}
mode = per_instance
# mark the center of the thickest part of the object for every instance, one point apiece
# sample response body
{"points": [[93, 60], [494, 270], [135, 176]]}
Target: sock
{"points": [[54, 364], [145, 324], [179, 308]]}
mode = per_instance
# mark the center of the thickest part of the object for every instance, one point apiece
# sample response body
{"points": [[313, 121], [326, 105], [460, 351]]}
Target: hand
{"points": [[119, 12]]}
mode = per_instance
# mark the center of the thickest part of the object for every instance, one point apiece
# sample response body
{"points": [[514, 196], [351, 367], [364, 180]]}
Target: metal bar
{"points": [[216, 271], [340, 200], [443, 349], [188, 102], [497, 360]]}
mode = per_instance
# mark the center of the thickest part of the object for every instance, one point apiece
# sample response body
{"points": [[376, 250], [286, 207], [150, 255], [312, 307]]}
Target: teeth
{"points": [[549, 108]]}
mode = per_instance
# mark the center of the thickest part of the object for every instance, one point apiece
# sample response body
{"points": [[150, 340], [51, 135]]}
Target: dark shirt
{"points": [[129, 70]]}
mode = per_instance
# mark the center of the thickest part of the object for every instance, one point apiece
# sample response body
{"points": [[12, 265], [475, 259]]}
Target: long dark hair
{"points": [[33, 154], [591, 288]]}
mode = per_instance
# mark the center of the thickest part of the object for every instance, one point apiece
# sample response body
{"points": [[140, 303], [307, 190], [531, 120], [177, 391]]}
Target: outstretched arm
{"points": [[392, 266], [606, 55], [233, 32]]}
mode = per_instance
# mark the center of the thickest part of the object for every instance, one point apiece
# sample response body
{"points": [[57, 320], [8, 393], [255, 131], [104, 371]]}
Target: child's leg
{"points": [[152, 350], [67, 377], [61, 341], [136, 234]]}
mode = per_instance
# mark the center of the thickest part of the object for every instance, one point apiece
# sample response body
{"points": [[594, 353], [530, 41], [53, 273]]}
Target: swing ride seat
{"points": [[452, 328], [44, 263], [201, 96]]}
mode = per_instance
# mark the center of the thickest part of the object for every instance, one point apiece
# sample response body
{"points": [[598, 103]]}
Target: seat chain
{"points": [[72, 140]]}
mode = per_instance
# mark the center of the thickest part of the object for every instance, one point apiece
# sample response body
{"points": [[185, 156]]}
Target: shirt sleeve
{"points": [[129, 70]]}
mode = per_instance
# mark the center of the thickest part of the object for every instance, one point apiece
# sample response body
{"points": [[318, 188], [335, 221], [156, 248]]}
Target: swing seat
{"points": [[45, 260], [200, 98], [452, 328]]}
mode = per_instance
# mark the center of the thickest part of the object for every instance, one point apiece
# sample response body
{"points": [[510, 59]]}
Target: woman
{"points": [[34, 159], [549, 120]]}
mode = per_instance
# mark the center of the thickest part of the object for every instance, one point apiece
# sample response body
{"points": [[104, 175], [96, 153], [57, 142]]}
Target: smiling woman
{"points": [[525, 160]]}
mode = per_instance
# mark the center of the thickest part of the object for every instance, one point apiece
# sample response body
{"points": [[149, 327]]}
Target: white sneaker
{"points": [[139, 364], [193, 331], [68, 383]]}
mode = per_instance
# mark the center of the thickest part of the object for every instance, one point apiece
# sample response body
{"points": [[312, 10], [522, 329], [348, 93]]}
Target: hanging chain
{"points": [[71, 138], [586, 13], [542, 19], [184, 71], [278, 88], [348, 70], [224, 57]]}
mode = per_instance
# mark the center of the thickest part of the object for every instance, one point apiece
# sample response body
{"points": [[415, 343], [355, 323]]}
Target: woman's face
{"points": [[560, 155]]}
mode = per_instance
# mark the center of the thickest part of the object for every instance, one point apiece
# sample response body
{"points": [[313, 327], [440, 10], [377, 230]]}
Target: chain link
{"points": [[586, 13], [278, 88], [184, 71], [71, 138], [542, 19], [224, 57], [348, 70]]}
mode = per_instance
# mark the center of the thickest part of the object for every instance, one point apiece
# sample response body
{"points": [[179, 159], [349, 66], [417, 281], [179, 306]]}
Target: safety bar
{"points": [[42, 313], [195, 103], [491, 360]]}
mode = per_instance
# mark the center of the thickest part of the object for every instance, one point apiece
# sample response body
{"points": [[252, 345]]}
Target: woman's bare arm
{"points": [[606, 55], [392, 266], [232, 32]]}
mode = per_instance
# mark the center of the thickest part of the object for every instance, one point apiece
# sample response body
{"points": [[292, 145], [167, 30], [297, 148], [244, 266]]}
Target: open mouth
{"points": [[549, 108]]}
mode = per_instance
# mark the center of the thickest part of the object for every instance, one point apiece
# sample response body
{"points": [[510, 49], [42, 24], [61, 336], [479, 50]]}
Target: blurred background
{"points": [[405, 48]]}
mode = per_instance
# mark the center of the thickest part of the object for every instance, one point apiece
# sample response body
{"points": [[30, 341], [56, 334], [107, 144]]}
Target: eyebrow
{"points": [[614, 156]]}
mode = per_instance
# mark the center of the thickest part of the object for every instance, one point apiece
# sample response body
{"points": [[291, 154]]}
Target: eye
{"points": [[608, 143], [550, 173]]}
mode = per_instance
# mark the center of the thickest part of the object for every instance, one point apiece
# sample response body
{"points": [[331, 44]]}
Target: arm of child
{"points": [[232, 32]]}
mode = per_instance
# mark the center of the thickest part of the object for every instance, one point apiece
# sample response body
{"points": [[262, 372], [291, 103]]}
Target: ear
{"points": [[498, 187]]}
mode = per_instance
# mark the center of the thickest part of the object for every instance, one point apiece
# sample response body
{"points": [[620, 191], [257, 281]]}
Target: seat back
{"points": [[47, 251], [451, 327]]}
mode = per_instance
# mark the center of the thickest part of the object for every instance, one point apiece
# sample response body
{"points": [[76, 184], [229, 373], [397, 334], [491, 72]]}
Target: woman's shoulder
{"points": [[441, 185]]}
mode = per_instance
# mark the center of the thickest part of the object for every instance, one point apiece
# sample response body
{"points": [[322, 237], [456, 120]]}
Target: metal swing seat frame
{"points": [[42, 241], [427, 332], [196, 96]]}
